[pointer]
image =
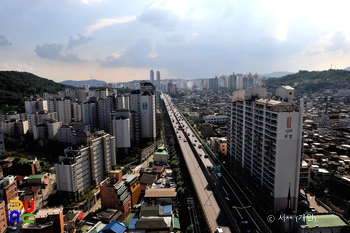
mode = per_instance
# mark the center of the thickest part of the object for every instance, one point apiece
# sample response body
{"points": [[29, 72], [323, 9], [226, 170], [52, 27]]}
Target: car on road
{"points": [[185, 140], [209, 167], [206, 156]]}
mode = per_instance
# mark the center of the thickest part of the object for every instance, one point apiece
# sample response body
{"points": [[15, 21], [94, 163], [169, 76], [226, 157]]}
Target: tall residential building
{"points": [[102, 114], [2, 144], [265, 142], [121, 129], [214, 84], [77, 112], [135, 101], [148, 116], [232, 82], [158, 80], [34, 104], [86, 164], [151, 78], [171, 87], [64, 110], [90, 114]]}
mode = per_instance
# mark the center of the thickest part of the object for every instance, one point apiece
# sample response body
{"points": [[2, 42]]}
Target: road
{"points": [[238, 207], [215, 215]]}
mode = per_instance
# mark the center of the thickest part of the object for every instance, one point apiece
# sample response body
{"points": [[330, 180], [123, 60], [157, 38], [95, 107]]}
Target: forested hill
{"points": [[304, 79], [14, 86]]}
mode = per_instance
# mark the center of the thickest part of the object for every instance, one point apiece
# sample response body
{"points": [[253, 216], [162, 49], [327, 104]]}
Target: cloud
{"points": [[54, 52], [80, 40], [138, 55], [114, 60], [338, 42], [102, 23], [49, 51], [90, 1], [4, 41], [162, 18], [176, 39]]}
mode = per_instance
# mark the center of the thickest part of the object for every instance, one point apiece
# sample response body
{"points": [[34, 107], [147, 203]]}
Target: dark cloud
{"points": [[162, 18], [176, 39], [80, 40], [4, 41], [135, 56], [338, 43], [54, 52]]}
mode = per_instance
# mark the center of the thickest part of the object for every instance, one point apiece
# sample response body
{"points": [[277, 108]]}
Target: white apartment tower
{"points": [[85, 164], [32, 105], [148, 115], [265, 142], [64, 110], [121, 129], [77, 112]]}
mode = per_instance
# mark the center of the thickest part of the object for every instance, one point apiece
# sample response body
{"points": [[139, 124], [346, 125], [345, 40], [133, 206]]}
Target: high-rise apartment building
{"points": [[148, 116], [85, 164], [158, 80], [89, 111], [121, 129], [2, 144], [151, 78], [214, 84], [265, 142], [32, 105]]}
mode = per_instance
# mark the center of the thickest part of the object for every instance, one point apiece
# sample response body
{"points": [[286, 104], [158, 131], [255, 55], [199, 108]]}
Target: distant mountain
{"points": [[80, 83], [277, 74], [17, 85], [348, 68]]}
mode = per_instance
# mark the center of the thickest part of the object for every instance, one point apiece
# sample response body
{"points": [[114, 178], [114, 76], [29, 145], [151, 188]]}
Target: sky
{"points": [[120, 41]]}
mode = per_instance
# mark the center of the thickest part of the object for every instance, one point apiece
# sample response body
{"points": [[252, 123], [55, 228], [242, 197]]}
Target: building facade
{"points": [[265, 142]]}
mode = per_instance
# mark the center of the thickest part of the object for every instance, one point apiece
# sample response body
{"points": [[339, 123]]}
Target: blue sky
{"points": [[119, 41]]}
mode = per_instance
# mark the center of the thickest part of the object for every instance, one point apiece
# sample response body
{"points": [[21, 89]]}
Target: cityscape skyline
{"points": [[190, 40]]}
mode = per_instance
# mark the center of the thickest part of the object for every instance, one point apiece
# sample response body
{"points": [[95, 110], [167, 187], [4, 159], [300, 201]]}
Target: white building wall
{"points": [[75, 177], [148, 116], [52, 128], [64, 111], [288, 157], [121, 131], [77, 112]]}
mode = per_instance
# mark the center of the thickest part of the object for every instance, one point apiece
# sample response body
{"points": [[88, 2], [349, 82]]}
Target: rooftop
{"points": [[325, 220], [161, 192], [44, 212]]}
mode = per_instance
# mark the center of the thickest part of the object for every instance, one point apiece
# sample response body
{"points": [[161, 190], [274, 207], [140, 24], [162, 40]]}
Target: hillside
{"points": [[304, 79], [17, 85], [276, 74], [91, 82]]}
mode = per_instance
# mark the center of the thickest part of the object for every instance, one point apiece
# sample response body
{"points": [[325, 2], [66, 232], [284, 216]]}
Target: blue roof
{"points": [[132, 224], [167, 209], [117, 227]]}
